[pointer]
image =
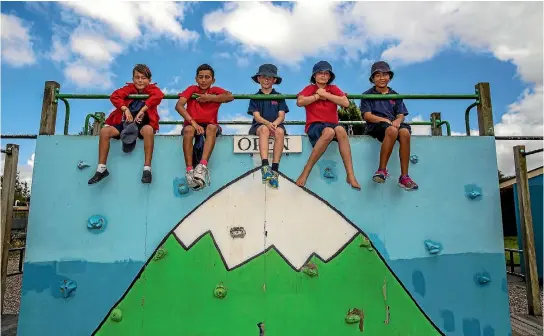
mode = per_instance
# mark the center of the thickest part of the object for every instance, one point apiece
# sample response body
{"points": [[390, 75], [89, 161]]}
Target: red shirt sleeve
{"points": [[217, 90], [335, 90], [188, 92], [118, 96], [155, 96], [307, 91]]}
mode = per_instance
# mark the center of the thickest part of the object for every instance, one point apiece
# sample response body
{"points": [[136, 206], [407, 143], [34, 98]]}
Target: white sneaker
{"points": [[189, 176], [201, 175]]}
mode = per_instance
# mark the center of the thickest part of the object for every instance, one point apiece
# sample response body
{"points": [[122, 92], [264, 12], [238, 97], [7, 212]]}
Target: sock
{"points": [[189, 168], [147, 168], [265, 162], [275, 166], [101, 168], [204, 162]]}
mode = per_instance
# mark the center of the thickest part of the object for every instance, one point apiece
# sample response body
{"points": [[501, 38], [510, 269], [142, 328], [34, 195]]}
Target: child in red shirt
{"points": [[201, 122], [142, 112], [320, 100]]}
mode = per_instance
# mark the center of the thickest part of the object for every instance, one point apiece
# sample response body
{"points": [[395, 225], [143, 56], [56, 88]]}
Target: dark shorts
{"points": [[378, 130], [205, 126], [253, 129], [120, 127], [315, 130]]}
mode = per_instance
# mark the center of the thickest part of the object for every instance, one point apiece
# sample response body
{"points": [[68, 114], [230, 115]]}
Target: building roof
{"points": [[531, 173]]}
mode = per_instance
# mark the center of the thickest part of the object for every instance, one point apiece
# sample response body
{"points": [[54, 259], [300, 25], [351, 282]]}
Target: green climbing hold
{"points": [[161, 253], [220, 291], [310, 269], [116, 315], [355, 316], [366, 244]]}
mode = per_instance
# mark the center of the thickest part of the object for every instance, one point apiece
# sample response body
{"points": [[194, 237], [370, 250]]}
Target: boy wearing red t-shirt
{"points": [[200, 121], [139, 115], [320, 100]]}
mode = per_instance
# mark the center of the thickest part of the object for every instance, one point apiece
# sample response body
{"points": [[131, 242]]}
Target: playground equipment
{"points": [[238, 259]]}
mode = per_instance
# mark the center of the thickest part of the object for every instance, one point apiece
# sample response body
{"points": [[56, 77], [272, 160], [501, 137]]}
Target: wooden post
{"points": [[527, 233], [435, 129], [485, 112], [96, 124], [8, 194], [49, 109]]}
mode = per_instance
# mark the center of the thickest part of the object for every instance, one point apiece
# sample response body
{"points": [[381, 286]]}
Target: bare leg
{"points": [[211, 133], [391, 134], [188, 135], [404, 152], [345, 153], [149, 141], [106, 134], [263, 132], [320, 147], [278, 144]]}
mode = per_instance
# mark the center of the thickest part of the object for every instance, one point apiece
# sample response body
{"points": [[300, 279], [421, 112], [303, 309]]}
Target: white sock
{"points": [[147, 168], [101, 168]]}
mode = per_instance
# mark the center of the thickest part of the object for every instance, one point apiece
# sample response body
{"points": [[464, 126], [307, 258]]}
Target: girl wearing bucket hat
{"points": [[321, 99]]}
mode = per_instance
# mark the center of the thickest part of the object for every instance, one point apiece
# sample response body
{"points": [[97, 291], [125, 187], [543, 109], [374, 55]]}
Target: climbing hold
{"points": [[366, 244], [96, 223], [433, 247], [472, 191], [116, 315], [237, 232], [183, 189], [67, 287], [414, 159], [82, 165], [355, 316], [180, 186], [482, 280], [328, 173], [310, 269], [161, 253], [220, 291]]}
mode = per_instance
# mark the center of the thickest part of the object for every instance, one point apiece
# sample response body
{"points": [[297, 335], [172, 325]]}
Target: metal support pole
{"points": [[8, 195], [436, 130], [527, 233], [49, 108]]}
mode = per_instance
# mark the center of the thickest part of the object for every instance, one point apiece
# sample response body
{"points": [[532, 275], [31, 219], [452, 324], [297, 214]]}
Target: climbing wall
{"points": [[238, 258]]}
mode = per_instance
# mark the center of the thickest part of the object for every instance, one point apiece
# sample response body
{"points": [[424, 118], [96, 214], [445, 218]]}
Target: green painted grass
{"points": [[174, 296], [511, 242]]}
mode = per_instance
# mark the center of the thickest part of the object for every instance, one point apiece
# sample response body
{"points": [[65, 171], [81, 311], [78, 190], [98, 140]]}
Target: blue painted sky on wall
{"points": [[433, 48]]}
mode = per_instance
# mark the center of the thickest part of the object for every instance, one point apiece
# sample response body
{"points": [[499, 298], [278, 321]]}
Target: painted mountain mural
{"points": [[255, 261]]}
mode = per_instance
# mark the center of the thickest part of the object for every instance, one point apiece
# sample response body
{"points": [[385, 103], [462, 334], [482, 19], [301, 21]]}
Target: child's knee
{"points": [[391, 132], [147, 131], [279, 132], [211, 129], [188, 131], [404, 134], [341, 133], [328, 134], [108, 132], [263, 130]]}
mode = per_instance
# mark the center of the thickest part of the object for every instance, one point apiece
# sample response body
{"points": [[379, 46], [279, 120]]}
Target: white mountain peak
{"points": [[296, 222]]}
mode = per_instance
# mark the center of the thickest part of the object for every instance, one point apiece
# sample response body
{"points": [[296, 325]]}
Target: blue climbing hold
{"points": [[414, 159], [67, 287], [82, 165], [472, 191], [97, 223], [328, 173], [180, 186], [482, 278], [433, 247]]}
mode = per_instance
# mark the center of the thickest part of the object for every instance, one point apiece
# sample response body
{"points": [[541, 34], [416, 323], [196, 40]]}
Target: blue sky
{"points": [[432, 47]]}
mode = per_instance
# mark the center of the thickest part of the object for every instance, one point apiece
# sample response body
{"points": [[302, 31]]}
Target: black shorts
{"points": [[315, 130], [120, 127], [253, 129], [204, 126], [378, 130]]}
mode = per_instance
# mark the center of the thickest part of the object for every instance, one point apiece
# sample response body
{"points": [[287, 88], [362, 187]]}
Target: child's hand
{"points": [[322, 93], [396, 123], [139, 117], [271, 127], [199, 129], [205, 98], [128, 115]]}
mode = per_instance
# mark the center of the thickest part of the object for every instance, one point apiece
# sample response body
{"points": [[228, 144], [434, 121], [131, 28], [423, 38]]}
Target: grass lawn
{"points": [[511, 242]]}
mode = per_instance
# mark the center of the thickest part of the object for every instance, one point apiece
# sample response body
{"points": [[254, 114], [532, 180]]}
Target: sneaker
{"points": [[146, 176], [266, 173], [98, 176], [201, 175], [273, 181], [406, 183], [380, 176], [189, 176]]}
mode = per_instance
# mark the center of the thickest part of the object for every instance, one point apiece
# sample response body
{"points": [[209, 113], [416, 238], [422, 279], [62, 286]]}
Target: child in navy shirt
{"points": [[268, 117], [385, 122]]}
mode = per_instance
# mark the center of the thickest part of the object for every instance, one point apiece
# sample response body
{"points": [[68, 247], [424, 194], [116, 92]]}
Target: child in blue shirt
{"points": [[268, 117], [385, 122]]}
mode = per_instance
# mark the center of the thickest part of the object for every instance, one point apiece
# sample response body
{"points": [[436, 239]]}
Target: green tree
{"points": [[352, 113], [22, 190]]}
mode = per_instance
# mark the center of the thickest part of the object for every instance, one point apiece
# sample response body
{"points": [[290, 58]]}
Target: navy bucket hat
{"points": [[380, 66], [269, 70], [322, 66]]}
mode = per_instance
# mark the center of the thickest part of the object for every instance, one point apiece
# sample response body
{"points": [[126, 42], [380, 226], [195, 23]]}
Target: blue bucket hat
{"points": [[380, 66], [269, 70], [322, 66]]}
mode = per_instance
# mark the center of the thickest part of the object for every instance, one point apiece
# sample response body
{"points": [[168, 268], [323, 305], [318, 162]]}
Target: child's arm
{"points": [[180, 108], [117, 98], [155, 98], [220, 98], [371, 118], [340, 99], [260, 120], [280, 118], [305, 101]]}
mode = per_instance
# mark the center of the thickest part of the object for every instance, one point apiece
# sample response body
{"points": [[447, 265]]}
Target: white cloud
{"points": [[17, 45], [84, 75], [95, 48]]}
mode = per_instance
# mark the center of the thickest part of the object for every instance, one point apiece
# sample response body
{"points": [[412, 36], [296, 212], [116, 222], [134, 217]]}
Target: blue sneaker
{"points": [[273, 182], [266, 172]]}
